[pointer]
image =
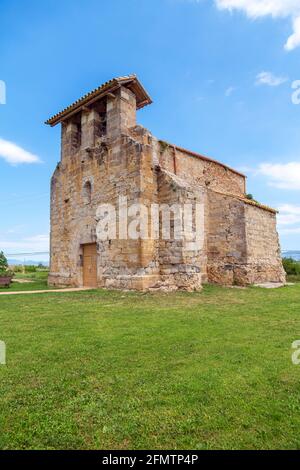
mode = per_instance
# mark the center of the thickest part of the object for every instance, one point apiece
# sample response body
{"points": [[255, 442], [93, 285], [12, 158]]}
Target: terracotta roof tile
{"points": [[130, 81]]}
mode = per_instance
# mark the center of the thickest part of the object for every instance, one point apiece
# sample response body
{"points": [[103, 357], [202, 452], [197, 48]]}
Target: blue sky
{"points": [[220, 74]]}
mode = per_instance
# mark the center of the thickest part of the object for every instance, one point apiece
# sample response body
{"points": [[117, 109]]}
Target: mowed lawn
{"points": [[28, 281], [101, 370]]}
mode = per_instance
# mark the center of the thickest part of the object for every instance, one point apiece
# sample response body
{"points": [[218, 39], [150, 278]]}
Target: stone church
{"points": [[106, 155]]}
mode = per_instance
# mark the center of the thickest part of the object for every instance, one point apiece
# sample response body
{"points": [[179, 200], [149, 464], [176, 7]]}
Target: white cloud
{"points": [[15, 155], [289, 214], [41, 239], [282, 175], [288, 219], [290, 209], [290, 231], [268, 78], [16, 229], [36, 243], [257, 8], [275, 8], [294, 40]]}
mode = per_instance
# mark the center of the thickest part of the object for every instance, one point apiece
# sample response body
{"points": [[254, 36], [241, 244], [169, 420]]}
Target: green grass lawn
{"points": [[100, 369], [35, 281], [35, 276]]}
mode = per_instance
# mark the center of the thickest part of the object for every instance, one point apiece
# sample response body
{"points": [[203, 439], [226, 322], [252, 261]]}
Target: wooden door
{"points": [[90, 265]]}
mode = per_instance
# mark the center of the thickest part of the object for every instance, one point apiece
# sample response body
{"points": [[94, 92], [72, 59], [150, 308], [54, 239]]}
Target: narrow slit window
{"points": [[87, 193]]}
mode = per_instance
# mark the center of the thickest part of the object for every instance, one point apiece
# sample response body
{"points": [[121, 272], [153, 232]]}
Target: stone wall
{"points": [[115, 165], [105, 156], [263, 248], [243, 244], [201, 170], [182, 263], [226, 244]]}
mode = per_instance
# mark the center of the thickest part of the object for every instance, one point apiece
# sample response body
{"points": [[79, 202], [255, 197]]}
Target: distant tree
{"points": [[3, 262]]}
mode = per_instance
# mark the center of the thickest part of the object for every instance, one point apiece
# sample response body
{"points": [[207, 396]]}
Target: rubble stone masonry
{"points": [[105, 155]]}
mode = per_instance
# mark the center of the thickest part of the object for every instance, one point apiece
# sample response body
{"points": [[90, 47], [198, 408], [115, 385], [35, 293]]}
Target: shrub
{"points": [[291, 266], [30, 269], [17, 269], [251, 198], [3, 262], [4, 271]]}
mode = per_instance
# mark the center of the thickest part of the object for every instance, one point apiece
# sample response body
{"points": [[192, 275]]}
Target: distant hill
{"points": [[18, 262], [291, 254]]}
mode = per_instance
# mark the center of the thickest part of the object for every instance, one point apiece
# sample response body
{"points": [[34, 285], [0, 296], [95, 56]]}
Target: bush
{"points": [[3, 262], [30, 269], [291, 266], [4, 271], [17, 269]]}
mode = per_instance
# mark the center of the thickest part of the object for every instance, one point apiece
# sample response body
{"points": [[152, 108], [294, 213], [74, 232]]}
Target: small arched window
{"points": [[87, 192]]}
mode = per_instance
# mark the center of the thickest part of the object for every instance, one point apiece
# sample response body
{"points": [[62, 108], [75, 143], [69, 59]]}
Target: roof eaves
{"points": [[96, 94]]}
